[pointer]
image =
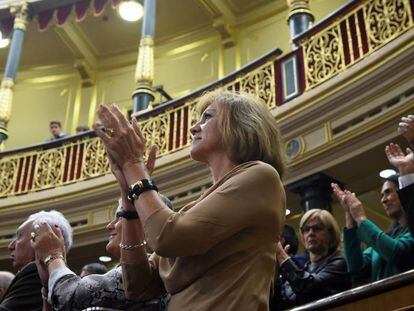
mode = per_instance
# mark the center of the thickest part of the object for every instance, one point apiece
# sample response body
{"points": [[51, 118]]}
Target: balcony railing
{"points": [[344, 38]]}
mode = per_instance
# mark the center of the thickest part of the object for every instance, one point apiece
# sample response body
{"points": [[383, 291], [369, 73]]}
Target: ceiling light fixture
{"points": [[130, 10], [287, 212], [105, 258], [387, 173]]}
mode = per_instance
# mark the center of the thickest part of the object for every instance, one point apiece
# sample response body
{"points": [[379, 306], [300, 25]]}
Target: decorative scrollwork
{"points": [[261, 82], [385, 19], [323, 56], [95, 161], [155, 130], [48, 171], [8, 173]]}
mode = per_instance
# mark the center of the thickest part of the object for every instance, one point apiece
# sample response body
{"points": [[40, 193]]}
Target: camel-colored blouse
{"points": [[217, 253]]}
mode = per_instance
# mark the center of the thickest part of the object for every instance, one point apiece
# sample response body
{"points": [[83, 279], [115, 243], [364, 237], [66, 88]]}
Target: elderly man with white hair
{"points": [[25, 291]]}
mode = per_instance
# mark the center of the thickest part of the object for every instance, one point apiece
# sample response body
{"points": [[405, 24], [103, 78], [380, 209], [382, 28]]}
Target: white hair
{"points": [[54, 218]]}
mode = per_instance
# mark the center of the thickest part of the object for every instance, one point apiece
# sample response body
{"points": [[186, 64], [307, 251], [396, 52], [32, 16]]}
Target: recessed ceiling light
{"points": [[287, 212], [105, 258], [130, 10], [387, 173]]}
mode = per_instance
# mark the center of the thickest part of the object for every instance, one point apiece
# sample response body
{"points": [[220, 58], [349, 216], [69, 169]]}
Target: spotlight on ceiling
{"points": [[387, 173], [105, 258], [130, 10]]}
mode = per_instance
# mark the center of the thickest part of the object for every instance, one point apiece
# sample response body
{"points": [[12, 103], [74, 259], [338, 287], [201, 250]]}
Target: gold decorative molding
{"points": [[22, 15], [6, 99], [298, 7], [368, 27], [145, 64]]}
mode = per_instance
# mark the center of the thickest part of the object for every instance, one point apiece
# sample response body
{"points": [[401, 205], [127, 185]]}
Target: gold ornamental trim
{"points": [[6, 99], [21, 13], [298, 7], [145, 63]]}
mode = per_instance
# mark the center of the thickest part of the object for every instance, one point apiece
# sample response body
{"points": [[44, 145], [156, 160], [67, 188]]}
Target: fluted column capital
{"points": [[21, 13]]}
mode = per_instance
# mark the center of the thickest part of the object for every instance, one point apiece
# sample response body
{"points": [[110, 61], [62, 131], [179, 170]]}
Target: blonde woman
{"points": [[325, 273], [217, 253]]}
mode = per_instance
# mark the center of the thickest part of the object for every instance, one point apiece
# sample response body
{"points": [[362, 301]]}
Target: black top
{"points": [[316, 280], [24, 292]]}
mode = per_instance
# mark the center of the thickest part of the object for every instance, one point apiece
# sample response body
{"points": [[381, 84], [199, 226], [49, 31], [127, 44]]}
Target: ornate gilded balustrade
{"points": [[46, 166], [82, 157], [353, 32], [338, 42]]}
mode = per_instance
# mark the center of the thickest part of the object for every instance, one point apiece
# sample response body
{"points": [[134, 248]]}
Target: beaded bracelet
{"points": [[129, 247]]}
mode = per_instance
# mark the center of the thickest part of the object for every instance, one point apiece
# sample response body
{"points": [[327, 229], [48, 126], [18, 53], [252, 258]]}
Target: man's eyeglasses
{"points": [[315, 228]]}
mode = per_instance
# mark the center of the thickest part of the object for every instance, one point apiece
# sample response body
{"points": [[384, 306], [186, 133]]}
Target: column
{"points": [[12, 65], [144, 75], [300, 18], [315, 191]]}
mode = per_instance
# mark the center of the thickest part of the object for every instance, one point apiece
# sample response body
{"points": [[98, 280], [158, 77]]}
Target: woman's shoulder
{"points": [[261, 170]]}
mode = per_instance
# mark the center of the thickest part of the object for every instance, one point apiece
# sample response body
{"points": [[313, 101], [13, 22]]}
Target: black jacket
{"points": [[406, 196], [316, 280], [24, 292]]}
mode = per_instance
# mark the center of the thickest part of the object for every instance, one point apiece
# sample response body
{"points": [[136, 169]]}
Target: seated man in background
{"points": [[93, 268], [56, 131], [25, 291], [5, 279], [325, 273], [388, 253]]}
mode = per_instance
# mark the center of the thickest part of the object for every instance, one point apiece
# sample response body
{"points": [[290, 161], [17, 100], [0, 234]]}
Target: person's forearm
{"points": [[133, 235], [148, 202], [349, 221]]}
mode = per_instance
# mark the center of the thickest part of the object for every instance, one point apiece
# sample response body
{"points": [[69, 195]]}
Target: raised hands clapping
{"points": [[404, 162], [354, 210]]}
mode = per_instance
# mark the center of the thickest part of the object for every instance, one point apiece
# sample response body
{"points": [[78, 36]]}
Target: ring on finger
{"points": [[109, 131]]}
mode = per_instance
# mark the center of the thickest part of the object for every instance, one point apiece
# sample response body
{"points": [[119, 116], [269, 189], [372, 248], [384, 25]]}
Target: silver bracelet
{"points": [[129, 247]]}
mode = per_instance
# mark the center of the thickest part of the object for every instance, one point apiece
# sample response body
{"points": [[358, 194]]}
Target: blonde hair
{"points": [[329, 222], [249, 130]]}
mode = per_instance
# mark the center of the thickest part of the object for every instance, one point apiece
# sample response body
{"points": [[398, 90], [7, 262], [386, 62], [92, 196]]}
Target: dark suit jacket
{"points": [[406, 195], [24, 292]]}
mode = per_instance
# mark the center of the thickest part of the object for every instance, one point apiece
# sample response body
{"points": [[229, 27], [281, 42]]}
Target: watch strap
{"points": [[140, 187], [127, 214]]}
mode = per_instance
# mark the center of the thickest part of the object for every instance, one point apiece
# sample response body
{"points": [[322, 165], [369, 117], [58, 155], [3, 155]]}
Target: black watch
{"points": [[127, 214], [140, 187]]}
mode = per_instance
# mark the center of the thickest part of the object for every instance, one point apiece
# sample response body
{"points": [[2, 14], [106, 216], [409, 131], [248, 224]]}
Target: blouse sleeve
{"points": [[142, 280], [67, 291], [254, 197]]}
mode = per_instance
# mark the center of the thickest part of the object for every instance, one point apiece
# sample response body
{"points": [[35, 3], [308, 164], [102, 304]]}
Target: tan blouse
{"points": [[217, 253]]}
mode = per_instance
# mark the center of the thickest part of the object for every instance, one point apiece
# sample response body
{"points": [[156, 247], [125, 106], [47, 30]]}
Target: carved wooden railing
{"points": [[393, 293], [338, 42]]}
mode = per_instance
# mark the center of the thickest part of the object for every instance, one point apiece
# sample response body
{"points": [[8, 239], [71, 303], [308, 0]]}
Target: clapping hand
{"points": [[404, 162], [46, 241], [406, 128], [354, 210]]}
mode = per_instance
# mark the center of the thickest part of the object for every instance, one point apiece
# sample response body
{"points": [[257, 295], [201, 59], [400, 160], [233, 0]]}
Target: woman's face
{"points": [[115, 235], [315, 236], [390, 200], [207, 137]]}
